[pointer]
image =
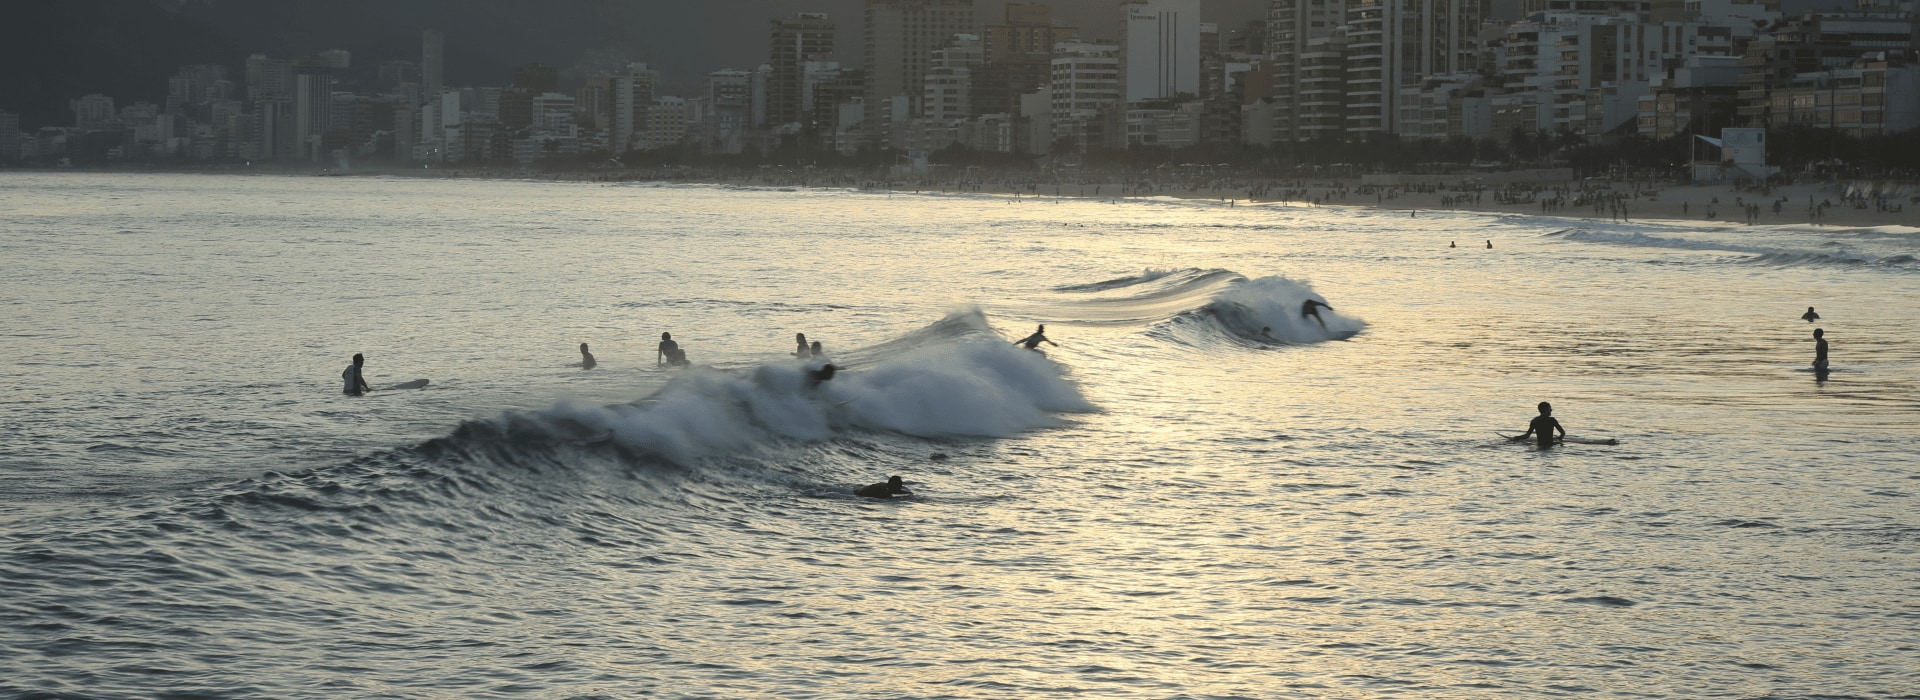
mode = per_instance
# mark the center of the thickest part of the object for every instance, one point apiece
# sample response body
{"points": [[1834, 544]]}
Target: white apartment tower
{"points": [[1160, 48], [1086, 83]]}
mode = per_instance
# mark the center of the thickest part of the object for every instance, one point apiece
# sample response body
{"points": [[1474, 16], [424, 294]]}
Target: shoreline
{"points": [[1814, 205]]}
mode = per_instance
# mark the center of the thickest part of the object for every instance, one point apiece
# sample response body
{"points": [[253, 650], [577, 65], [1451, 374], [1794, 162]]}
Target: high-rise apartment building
{"points": [[269, 78], [433, 62], [901, 37], [632, 100], [1303, 38], [93, 112], [1085, 85], [1160, 48], [950, 79], [312, 106], [1396, 43], [1018, 57], [796, 41]]}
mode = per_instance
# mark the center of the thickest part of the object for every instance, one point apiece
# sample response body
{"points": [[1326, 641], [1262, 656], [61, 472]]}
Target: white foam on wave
{"points": [[977, 386], [1274, 302], [1763, 254]]}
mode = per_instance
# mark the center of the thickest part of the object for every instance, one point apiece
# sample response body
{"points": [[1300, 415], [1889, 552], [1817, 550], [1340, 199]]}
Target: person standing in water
{"points": [[1819, 350], [800, 343], [1489, 244], [1311, 309], [815, 350], [1033, 342], [670, 353], [357, 384], [1810, 316], [586, 358], [1543, 427]]}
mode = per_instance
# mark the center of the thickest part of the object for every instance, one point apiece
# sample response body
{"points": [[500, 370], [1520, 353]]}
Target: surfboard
{"points": [[1341, 335], [415, 384], [1573, 440]]}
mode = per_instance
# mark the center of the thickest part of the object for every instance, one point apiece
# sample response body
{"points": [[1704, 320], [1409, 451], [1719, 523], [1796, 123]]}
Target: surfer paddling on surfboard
{"points": [[1810, 316], [356, 384], [894, 486], [1033, 342], [1542, 427]]}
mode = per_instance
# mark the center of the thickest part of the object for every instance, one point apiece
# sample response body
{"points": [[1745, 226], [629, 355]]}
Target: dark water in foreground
{"points": [[1166, 506]]}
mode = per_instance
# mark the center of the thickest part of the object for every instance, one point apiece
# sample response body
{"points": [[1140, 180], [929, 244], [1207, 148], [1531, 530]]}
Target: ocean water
{"points": [[1169, 503]]}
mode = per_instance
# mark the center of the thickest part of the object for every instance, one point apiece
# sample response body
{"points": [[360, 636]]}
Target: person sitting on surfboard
{"points": [[887, 490], [1809, 316], [815, 350], [1542, 427], [586, 358], [801, 350], [1819, 350], [1308, 310], [1033, 342], [356, 384], [670, 353]]}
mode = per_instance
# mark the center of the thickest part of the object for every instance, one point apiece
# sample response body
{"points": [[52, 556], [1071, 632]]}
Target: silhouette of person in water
{"points": [[1267, 332], [894, 486], [356, 384], [670, 353], [1451, 244], [1810, 316], [586, 358], [816, 351], [800, 343], [1542, 427], [1311, 309], [1489, 244], [1819, 350], [1033, 342], [825, 373]]}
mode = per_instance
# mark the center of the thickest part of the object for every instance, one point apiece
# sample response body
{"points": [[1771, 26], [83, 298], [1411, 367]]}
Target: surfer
{"points": [[1450, 244], [670, 353], [1810, 316], [1267, 332], [825, 373], [586, 358], [1819, 350], [1033, 342], [1311, 309], [815, 350], [1489, 244], [1542, 427], [887, 490], [357, 384], [800, 349]]}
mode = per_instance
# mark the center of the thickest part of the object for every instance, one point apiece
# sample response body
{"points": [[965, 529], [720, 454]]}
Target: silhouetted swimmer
{"points": [[825, 373], [1267, 332], [800, 345], [356, 384], [1819, 350], [1810, 316], [816, 351], [1451, 244], [1489, 244], [670, 353], [1311, 309], [893, 487], [1033, 342], [1542, 427], [586, 358]]}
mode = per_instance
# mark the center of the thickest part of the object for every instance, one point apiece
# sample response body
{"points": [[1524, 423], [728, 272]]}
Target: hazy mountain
{"points": [[127, 48]]}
